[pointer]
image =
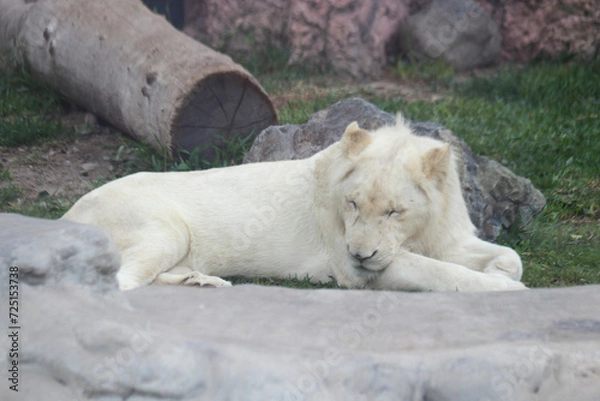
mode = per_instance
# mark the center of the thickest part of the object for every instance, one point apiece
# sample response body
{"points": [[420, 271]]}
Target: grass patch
{"points": [[9, 194], [549, 130], [29, 110], [436, 73], [4, 174], [298, 111], [230, 152], [49, 207], [304, 283], [561, 254]]}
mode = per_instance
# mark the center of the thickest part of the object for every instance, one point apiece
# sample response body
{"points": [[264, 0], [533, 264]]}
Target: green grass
{"points": [[436, 73], [9, 192], [29, 110], [542, 121], [561, 254], [298, 111], [229, 153], [304, 283], [5, 174], [49, 207]]}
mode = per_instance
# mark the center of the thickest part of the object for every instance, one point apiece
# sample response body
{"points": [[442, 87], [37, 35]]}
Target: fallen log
{"points": [[129, 66]]}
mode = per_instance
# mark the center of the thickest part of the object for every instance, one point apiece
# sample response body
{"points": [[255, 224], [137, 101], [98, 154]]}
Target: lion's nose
{"points": [[361, 258]]}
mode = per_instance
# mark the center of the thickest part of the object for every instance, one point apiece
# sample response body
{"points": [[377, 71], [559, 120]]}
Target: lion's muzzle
{"points": [[367, 260]]}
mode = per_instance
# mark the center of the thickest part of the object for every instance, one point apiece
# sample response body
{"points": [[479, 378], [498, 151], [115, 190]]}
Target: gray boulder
{"points": [[61, 251], [456, 31], [496, 198], [78, 338]]}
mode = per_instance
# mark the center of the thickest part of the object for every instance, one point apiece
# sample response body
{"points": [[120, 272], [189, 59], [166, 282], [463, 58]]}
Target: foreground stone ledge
{"points": [[48, 252], [268, 343]]}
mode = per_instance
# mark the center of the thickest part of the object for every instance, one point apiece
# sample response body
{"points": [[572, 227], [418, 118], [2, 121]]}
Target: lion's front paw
{"points": [[503, 283], [508, 264], [202, 280]]}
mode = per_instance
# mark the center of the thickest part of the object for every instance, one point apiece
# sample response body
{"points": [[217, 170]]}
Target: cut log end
{"points": [[220, 108], [133, 69]]}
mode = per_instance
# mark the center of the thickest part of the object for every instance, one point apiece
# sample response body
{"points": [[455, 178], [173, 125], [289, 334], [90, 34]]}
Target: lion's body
{"points": [[381, 210]]}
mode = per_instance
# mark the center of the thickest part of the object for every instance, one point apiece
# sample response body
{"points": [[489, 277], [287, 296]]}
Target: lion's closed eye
{"points": [[394, 212]]}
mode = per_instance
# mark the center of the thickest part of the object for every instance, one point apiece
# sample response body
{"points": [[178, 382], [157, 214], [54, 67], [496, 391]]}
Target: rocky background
{"points": [[358, 37], [555, 28]]}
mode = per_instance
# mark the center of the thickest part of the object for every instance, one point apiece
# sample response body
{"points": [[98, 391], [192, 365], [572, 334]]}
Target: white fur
{"points": [[377, 210]]}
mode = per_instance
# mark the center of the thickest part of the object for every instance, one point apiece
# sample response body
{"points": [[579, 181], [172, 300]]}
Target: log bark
{"points": [[129, 66]]}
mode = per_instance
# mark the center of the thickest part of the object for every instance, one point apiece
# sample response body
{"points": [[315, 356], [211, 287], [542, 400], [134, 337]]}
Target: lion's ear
{"points": [[355, 139], [436, 163]]}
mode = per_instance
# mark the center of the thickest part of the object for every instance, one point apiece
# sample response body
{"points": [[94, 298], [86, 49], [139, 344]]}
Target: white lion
{"points": [[378, 210]]}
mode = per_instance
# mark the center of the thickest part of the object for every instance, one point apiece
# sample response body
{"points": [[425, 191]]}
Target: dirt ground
{"points": [[70, 168]]}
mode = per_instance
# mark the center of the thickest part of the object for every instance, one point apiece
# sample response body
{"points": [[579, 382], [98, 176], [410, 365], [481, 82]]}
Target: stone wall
{"points": [[349, 36], [554, 28], [358, 37]]}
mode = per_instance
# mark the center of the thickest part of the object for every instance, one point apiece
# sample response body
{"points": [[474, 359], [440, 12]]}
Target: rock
{"points": [[352, 35], [456, 31], [57, 252], [552, 28], [496, 198], [515, 200], [87, 167], [323, 128], [349, 36], [79, 339]]}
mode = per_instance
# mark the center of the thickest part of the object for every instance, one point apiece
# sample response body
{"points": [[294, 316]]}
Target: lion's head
{"points": [[389, 190]]}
